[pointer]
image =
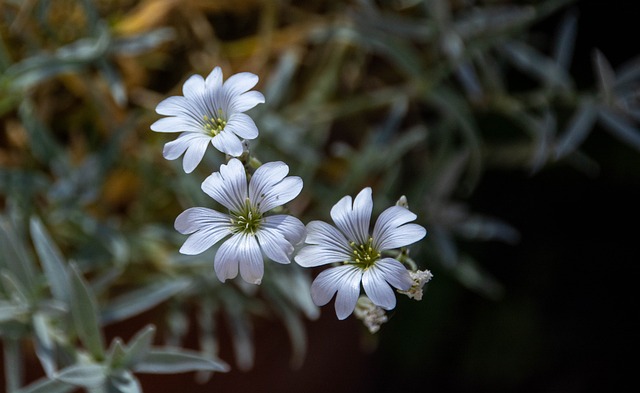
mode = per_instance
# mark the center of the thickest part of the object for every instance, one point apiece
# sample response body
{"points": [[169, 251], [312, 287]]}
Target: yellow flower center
{"points": [[214, 126], [247, 220], [364, 255]]}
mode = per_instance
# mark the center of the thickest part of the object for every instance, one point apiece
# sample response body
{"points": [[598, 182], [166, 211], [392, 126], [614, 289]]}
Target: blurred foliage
{"points": [[414, 98]]}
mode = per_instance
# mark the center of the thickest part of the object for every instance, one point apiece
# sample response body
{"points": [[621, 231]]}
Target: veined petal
{"points": [[228, 186], [354, 220], [377, 289], [392, 231], [175, 124], [242, 125], [312, 256], [345, 280], [394, 273], [239, 83], [207, 227], [178, 106], [195, 151], [246, 101], [228, 258], [274, 245], [270, 188], [194, 88], [291, 228], [321, 233], [177, 147], [214, 79], [251, 262], [227, 142]]}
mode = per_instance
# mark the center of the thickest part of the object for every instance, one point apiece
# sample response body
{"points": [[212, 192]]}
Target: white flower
{"points": [[209, 111], [419, 278], [359, 253], [250, 229]]}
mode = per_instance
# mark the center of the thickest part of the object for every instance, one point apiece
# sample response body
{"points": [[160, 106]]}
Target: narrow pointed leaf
{"points": [[139, 346], [47, 386], [137, 301], [85, 315], [620, 127], [168, 361], [52, 262], [579, 127], [14, 255], [85, 375], [565, 41]]}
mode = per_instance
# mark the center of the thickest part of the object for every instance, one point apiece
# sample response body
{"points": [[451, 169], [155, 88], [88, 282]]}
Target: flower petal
{"points": [[246, 101], [270, 188], [195, 151], [228, 186], [239, 83], [228, 258], [242, 125], [194, 88], [394, 273], [206, 225], [343, 279], [312, 256], [251, 262], [175, 124], [274, 245], [354, 220], [228, 143], [392, 231], [291, 228], [321, 233], [214, 79], [177, 147]]}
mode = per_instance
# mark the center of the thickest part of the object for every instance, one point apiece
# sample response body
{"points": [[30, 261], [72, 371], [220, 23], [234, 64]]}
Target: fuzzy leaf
{"points": [[52, 262], [85, 315], [85, 375], [168, 361]]}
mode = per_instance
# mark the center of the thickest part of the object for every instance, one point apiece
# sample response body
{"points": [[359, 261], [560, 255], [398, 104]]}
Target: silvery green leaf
{"points": [[579, 127], [14, 256], [139, 300], [480, 227], [605, 75], [474, 277], [10, 311], [240, 329], [52, 262], [140, 43], [123, 381], [13, 360], [85, 375], [13, 287], [44, 345], [620, 127], [114, 81], [139, 346], [628, 73], [47, 386], [44, 147], [85, 314], [280, 79], [565, 40], [492, 19], [468, 79], [174, 360], [536, 64], [544, 130], [116, 354]]}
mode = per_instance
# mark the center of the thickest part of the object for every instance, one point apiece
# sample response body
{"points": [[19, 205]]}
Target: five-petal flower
{"points": [[209, 112], [252, 231], [359, 253]]}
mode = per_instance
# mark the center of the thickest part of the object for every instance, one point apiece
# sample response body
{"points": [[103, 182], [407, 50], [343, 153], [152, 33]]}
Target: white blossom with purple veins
{"points": [[252, 232], [359, 253], [209, 112]]}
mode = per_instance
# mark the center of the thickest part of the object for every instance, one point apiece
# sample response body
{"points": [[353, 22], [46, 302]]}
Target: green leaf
{"points": [[52, 262], [47, 386], [10, 311], [44, 345], [85, 315], [620, 127], [85, 375], [169, 361], [579, 127], [139, 346], [137, 301], [14, 255], [123, 382]]}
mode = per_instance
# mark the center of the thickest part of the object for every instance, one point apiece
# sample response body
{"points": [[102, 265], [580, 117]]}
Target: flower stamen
{"points": [[213, 126], [247, 221], [364, 255]]}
